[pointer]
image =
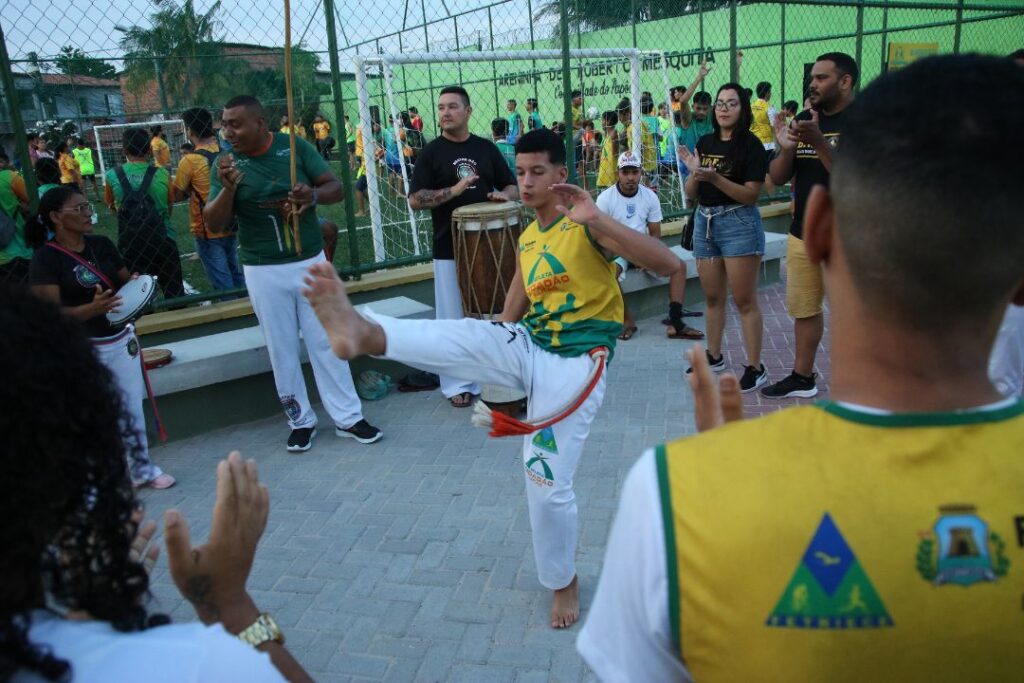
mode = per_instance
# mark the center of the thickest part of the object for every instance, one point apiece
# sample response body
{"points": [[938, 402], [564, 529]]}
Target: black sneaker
{"points": [[361, 431], [794, 386], [301, 439], [752, 378], [717, 364]]}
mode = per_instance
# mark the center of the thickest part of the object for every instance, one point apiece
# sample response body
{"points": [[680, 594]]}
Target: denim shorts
{"points": [[727, 231]]}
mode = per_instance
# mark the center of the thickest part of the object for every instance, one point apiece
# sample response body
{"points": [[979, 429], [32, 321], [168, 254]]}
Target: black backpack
{"points": [[137, 215], [210, 158]]}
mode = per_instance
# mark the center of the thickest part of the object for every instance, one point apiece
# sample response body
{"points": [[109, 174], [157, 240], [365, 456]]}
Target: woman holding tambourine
{"points": [[83, 272]]}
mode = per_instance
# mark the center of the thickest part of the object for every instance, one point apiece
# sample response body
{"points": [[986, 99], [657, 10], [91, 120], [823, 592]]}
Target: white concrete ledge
{"points": [[636, 280], [216, 358]]}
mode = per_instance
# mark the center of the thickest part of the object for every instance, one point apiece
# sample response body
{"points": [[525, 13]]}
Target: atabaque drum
{"points": [[486, 241]]}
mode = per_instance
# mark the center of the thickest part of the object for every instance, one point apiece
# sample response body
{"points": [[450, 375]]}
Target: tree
{"points": [[179, 46], [73, 61], [594, 15]]}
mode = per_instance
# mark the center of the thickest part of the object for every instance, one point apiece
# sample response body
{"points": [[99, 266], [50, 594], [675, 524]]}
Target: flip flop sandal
{"points": [[687, 313], [464, 396], [628, 333], [680, 330]]}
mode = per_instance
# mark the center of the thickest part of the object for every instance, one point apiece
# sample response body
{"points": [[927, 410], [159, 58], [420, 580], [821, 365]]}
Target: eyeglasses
{"points": [[84, 209], [727, 104]]}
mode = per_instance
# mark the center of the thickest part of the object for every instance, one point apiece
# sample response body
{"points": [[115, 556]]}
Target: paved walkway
{"points": [[410, 559]]}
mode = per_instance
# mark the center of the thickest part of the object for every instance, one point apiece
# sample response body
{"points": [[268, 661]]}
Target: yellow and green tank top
{"points": [[761, 126], [575, 302], [606, 167], [822, 543]]}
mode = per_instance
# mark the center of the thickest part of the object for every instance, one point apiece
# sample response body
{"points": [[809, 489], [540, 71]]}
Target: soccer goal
{"points": [[110, 141], [500, 84]]}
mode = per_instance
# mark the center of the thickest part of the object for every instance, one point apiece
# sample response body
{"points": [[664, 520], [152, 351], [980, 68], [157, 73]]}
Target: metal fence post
{"points": [[860, 39], [885, 38], [734, 72], [570, 148], [17, 124], [959, 22], [782, 55], [430, 71], [632, 19], [339, 112], [700, 22]]}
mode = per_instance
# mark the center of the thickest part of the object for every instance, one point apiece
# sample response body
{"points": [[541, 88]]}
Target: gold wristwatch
{"points": [[263, 630]]}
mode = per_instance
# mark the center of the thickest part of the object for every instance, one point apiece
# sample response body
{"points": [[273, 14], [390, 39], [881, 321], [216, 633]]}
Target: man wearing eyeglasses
{"points": [[806, 147]]}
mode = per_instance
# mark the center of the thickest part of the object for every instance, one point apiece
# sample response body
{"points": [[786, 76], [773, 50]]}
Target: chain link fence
{"points": [[78, 78]]}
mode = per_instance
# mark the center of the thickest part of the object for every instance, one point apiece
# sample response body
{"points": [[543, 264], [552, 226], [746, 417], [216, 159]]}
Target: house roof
{"points": [[80, 81]]}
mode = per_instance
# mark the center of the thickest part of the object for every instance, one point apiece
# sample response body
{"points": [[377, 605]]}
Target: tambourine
{"points": [[136, 296], [156, 358]]}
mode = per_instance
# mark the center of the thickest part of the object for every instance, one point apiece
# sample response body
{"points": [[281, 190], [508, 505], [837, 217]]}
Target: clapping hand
{"points": [[808, 132], [691, 161], [715, 403], [212, 576], [227, 173], [784, 136]]}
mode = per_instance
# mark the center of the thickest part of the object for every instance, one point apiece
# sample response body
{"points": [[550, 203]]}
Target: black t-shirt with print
{"points": [[741, 159], [442, 163], [76, 282], [808, 170]]}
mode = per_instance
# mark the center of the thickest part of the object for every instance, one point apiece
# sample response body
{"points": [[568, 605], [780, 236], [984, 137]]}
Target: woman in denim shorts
{"points": [[725, 175]]}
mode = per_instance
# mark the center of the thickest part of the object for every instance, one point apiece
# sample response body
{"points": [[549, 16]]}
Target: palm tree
{"points": [[176, 48]]}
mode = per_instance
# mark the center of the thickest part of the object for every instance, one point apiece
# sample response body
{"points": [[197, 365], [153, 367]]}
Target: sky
{"points": [[44, 26]]}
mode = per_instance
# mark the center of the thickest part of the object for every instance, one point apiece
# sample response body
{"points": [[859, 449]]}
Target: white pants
{"points": [[121, 354], [448, 306], [504, 354], [1006, 364], [276, 295]]}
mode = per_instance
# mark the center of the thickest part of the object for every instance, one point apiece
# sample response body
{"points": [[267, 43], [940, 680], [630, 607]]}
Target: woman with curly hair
{"points": [[73, 582], [82, 272]]}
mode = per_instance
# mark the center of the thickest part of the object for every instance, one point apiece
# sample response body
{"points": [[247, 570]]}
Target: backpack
{"points": [[137, 216], [210, 158]]}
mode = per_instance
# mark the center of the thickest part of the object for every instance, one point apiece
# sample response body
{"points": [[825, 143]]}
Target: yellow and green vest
{"points": [[575, 302], [826, 544], [84, 158], [16, 248]]}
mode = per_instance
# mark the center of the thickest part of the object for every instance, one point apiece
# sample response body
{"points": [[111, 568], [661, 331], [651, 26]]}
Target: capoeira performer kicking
{"points": [[558, 330]]}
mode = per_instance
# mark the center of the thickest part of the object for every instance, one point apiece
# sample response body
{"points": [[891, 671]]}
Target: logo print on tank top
{"points": [[960, 549], [829, 588]]}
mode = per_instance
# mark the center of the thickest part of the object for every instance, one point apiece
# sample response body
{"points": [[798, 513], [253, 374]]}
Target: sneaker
{"points": [[794, 386], [162, 481], [717, 364], [752, 378], [361, 431], [301, 440]]}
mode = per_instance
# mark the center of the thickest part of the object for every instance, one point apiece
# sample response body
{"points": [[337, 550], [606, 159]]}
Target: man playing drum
{"points": [[561, 318], [455, 169]]}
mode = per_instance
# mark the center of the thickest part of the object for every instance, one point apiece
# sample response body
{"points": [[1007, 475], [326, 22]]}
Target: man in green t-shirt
{"points": [[253, 184], [145, 249]]}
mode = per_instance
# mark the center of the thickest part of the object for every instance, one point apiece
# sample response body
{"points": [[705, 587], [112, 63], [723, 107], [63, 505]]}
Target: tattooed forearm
{"points": [[428, 199], [199, 591]]}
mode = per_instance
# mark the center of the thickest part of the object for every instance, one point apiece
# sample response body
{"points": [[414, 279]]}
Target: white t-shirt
{"points": [[634, 212], [627, 636], [175, 653]]}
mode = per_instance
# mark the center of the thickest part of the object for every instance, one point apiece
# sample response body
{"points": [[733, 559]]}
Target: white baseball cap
{"points": [[629, 160]]}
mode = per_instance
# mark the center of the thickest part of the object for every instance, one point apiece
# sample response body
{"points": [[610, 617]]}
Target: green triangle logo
{"points": [[554, 266], [545, 439], [829, 588]]}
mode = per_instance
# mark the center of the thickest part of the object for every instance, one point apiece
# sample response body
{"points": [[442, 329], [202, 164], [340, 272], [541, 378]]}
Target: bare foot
{"points": [[350, 334], [565, 608]]}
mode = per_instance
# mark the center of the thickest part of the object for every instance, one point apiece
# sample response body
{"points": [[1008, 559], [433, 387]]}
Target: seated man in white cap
{"points": [[638, 208]]}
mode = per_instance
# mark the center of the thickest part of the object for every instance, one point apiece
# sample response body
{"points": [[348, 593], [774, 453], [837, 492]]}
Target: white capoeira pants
{"points": [[1006, 364], [504, 354], [121, 354], [276, 295], [448, 306]]}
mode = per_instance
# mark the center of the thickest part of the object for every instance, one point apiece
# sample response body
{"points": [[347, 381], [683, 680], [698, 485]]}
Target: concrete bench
{"points": [[228, 356], [636, 280]]}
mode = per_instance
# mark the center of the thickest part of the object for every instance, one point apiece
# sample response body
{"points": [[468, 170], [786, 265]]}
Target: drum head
{"points": [[486, 216], [136, 295]]}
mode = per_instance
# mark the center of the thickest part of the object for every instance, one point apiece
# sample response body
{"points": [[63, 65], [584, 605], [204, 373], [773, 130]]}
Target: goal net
{"points": [[110, 141], [511, 92]]}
